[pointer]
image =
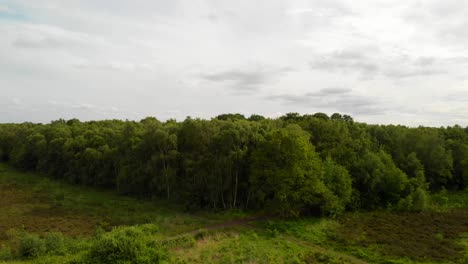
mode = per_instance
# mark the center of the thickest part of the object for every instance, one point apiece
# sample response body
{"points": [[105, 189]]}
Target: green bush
{"points": [[31, 246], [420, 200], [123, 246], [417, 201], [5, 253], [55, 243]]}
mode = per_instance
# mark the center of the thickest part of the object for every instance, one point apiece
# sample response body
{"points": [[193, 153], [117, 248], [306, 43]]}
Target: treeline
{"points": [[291, 165]]}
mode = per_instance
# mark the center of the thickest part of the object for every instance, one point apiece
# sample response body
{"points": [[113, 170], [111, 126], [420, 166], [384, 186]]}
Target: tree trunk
{"points": [[235, 188]]}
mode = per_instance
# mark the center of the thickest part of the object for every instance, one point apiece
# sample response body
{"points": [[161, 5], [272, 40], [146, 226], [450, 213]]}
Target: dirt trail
{"points": [[248, 223]]}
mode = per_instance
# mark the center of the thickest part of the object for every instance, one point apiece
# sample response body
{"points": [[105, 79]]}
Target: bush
{"points": [[5, 253], [417, 201], [31, 246], [55, 244], [123, 245], [420, 200]]}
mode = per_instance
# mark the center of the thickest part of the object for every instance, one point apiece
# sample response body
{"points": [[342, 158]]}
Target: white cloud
{"points": [[384, 61]]}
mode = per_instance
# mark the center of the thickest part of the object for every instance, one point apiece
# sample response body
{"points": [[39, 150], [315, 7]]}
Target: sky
{"points": [[383, 62]]}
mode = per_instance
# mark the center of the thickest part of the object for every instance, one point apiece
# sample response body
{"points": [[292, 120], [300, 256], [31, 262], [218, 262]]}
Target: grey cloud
{"points": [[245, 80], [373, 63], [335, 90], [423, 66], [46, 42], [347, 61], [407, 73], [290, 98], [425, 61], [336, 99], [239, 78]]}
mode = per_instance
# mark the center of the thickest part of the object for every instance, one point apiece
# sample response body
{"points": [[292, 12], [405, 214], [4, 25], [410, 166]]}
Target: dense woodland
{"points": [[295, 164]]}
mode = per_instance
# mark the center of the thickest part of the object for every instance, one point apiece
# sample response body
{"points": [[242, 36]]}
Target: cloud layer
{"points": [[389, 61]]}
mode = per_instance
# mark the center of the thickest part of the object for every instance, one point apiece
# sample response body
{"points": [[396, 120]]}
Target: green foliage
{"points": [[55, 243], [318, 257], [286, 173], [293, 164], [183, 241], [31, 246], [382, 236], [444, 200], [464, 243], [5, 253], [339, 182], [123, 245], [380, 182], [314, 230], [245, 247]]}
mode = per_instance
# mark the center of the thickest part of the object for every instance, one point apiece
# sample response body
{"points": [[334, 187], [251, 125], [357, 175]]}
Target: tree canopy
{"points": [[290, 165]]}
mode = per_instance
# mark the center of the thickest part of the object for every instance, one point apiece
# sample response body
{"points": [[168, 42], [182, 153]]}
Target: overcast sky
{"points": [[383, 61]]}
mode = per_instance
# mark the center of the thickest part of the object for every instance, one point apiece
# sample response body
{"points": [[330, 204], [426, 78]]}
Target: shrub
{"points": [[123, 245], [55, 243], [31, 246], [420, 200], [5, 253], [417, 201]]}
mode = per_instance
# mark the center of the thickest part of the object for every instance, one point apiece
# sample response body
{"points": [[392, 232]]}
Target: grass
{"points": [[34, 204], [38, 204], [247, 246]]}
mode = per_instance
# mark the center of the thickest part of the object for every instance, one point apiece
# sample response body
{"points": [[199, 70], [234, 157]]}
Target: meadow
{"points": [[49, 221]]}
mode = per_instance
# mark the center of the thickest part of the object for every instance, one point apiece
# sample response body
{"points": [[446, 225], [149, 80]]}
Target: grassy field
{"points": [[71, 224]]}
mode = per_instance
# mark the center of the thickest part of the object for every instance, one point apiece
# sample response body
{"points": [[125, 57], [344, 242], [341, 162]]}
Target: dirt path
{"points": [[247, 222]]}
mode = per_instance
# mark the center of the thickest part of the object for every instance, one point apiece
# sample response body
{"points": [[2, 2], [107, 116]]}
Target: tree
{"points": [[339, 182], [322, 116], [380, 182], [255, 117], [286, 173]]}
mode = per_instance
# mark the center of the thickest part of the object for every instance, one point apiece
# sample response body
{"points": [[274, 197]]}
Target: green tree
{"points": [[286, 173]]}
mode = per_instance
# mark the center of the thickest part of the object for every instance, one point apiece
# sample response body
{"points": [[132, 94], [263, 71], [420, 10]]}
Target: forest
{"points": [[290, 166]]}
